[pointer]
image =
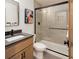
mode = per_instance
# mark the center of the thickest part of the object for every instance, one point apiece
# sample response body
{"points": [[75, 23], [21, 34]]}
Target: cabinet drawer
{"points": [[17, 47]]}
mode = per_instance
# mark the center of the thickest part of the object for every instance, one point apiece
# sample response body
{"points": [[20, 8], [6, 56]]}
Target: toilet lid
{"points": [[39, 45]]}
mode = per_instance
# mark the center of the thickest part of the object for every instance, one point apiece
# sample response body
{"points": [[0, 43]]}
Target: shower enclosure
{"points": [[51, 25]]}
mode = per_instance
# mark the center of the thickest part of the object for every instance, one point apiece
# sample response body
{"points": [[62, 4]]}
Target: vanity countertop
{"points": [[26, 36]]}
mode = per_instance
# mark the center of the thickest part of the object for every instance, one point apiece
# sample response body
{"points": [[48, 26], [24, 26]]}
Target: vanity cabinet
{"points": [[20, 50]]}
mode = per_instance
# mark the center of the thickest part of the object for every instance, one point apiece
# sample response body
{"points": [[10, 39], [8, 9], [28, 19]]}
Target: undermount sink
{"points": [[15, 38]]}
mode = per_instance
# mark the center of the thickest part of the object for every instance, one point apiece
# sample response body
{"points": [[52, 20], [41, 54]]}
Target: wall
{"points": [[26, 28], [38, 27]]}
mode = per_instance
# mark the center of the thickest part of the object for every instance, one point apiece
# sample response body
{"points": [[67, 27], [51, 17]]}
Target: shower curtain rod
{"points": [[52, 5]]}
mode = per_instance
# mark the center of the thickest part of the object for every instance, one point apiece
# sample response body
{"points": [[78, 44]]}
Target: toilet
{"points": [[39, 49]]}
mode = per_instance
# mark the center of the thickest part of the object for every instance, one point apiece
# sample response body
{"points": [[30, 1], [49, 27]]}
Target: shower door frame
{"points": [[70, 23], [46, 7]]}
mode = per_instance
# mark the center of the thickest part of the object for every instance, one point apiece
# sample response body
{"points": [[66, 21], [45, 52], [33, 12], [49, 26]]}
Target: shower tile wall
{"points": [[38, 26], [52, 17]]}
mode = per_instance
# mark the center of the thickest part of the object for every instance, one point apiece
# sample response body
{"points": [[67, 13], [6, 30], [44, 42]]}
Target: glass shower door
{"points": [[51, 27]]}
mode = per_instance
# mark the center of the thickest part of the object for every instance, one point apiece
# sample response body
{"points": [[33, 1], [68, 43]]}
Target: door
{"points": [[29, 52], [19, 55]]}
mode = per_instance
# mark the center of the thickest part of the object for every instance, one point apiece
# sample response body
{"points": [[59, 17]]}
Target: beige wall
{"points": [[38, 27]]}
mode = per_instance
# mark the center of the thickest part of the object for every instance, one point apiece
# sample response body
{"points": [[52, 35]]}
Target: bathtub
{"points": [[49, 54]]}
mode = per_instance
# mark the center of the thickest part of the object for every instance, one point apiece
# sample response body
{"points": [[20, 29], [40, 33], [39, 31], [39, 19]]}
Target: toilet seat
{"points": [[39, 46]]}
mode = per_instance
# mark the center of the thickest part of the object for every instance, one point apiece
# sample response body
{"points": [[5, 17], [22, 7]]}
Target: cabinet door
{"points": [[29, 52], [18, 55]]}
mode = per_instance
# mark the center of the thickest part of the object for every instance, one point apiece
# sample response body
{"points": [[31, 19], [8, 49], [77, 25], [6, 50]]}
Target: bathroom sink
{"points": [[14, 38]]}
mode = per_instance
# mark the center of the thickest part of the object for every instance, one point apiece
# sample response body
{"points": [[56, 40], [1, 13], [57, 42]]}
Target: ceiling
{"points": [[49, 2]]}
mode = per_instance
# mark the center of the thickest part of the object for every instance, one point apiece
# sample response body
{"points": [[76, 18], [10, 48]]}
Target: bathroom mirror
{"points": [[12, 13]]}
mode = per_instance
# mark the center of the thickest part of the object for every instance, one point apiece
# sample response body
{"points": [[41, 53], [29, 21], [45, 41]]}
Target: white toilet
{"points": [[39, 48]]}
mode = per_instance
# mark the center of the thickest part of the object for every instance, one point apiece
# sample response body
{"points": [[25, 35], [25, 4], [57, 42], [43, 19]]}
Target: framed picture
{"points": [[28, 16]]}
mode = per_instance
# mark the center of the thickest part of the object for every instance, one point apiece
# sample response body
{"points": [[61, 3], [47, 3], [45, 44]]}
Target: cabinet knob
{"points": [[22, 56]]}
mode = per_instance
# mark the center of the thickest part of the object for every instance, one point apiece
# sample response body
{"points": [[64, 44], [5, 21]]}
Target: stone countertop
{"points": [[26, 36]]}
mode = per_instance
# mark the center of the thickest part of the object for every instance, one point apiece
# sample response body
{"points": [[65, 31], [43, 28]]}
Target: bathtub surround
{"points": [[27, 28], [52, 55], [56, 47], [53, 24]]}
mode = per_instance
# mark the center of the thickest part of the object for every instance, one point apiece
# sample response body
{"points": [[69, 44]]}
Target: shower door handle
{"points": [[66, 43]]}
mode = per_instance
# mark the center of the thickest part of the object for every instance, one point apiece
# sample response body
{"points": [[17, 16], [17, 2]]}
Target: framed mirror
{"points": [[12, 13]]}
